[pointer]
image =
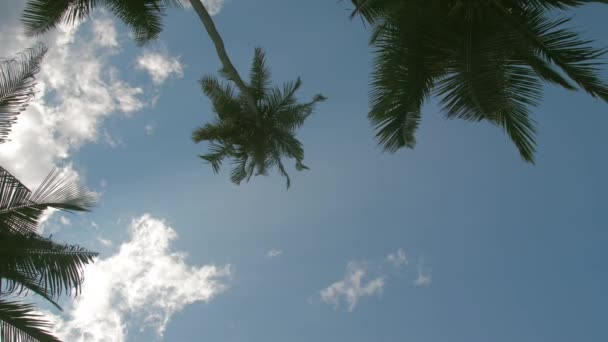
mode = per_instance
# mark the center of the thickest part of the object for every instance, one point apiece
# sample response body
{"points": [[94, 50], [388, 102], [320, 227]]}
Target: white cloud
{"points": [[398, 258], [273, 253], [138, 288], [65, 221], [352, 288], [159, 65], [77, 91], [105, 32], [104, 242], [423, 277]]}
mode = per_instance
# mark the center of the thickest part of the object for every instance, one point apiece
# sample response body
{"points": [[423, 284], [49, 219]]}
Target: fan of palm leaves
{"points": [[17, 85], [144, 17], [486, 60], [254, 141]]}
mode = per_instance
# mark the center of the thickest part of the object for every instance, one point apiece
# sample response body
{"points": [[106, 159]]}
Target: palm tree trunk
{"points": [[221, 51]]}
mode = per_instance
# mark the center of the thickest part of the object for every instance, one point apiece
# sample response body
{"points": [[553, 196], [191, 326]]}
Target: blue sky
{"points": [[496, 249]]}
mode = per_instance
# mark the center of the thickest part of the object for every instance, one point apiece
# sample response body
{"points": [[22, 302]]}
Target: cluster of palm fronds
{"points": [[484, 59], [29, 262]]}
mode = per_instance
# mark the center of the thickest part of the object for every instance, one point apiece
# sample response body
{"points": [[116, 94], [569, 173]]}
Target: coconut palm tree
{"points": [[485, 60], [17, 85], [257, 140], [144, 17], [28, 261]]}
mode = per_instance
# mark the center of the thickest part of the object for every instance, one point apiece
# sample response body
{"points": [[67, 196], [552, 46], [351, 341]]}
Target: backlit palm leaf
{"points": [[17, 86], [486, 60], [20, 323]]}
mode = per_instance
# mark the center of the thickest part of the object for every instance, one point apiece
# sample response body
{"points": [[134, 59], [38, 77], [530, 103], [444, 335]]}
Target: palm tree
{"points": [[28, 261], [254, 140], [17, 85], [144, 17], [486, 60]]}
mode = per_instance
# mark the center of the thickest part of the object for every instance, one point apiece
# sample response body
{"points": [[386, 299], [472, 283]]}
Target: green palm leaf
{"points": [[17, 85], [486, 60], [20, 209], [41, 265], [19, 323], [144, 17]]}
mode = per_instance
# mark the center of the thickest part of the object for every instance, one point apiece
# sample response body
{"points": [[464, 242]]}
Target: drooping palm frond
{"points": [[17, 85], [486, 60], [20, 209], [563, 47], [255, 142], [49, 269], [144, 17], [20, 323]]}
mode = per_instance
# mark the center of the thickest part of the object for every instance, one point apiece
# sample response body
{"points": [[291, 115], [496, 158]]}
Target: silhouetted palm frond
{"points": [[20, 323], [17, 85]]}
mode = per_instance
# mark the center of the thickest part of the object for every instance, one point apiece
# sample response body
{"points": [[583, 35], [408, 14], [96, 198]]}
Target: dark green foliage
{"points": [[17, 85], [20, 209], [19, 322], [485, 60], [144, 17], [255, 142], [29, 262]]}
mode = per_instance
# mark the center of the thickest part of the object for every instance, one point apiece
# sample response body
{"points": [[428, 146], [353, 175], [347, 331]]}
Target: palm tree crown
{"points": [[486, 60], [256, 142]]}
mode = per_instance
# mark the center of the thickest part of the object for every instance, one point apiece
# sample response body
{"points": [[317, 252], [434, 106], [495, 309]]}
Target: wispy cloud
{"points": [[140, 287], [273, 253], [150, 128], [398, 258], [368, 279], [77, 90], [354, 286], [159, 65], [424, 277]]}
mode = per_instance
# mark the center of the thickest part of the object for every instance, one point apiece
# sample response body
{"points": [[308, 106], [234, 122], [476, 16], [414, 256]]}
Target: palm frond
{"points": [[402, 79], [20, 209], [143, 17], [561, 46], [20, 323], [224, 102], [17, 85], [41, 265], [218, 152], [40, 16], [292, 117], [260, 75], [482, 86], [278, 99]]}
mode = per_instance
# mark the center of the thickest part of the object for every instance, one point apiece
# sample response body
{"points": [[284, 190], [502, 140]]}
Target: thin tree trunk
{"points": [[221, 51]]}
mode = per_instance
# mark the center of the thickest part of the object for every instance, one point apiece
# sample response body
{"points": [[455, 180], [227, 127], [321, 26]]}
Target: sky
{"points": [[457, 240]]}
